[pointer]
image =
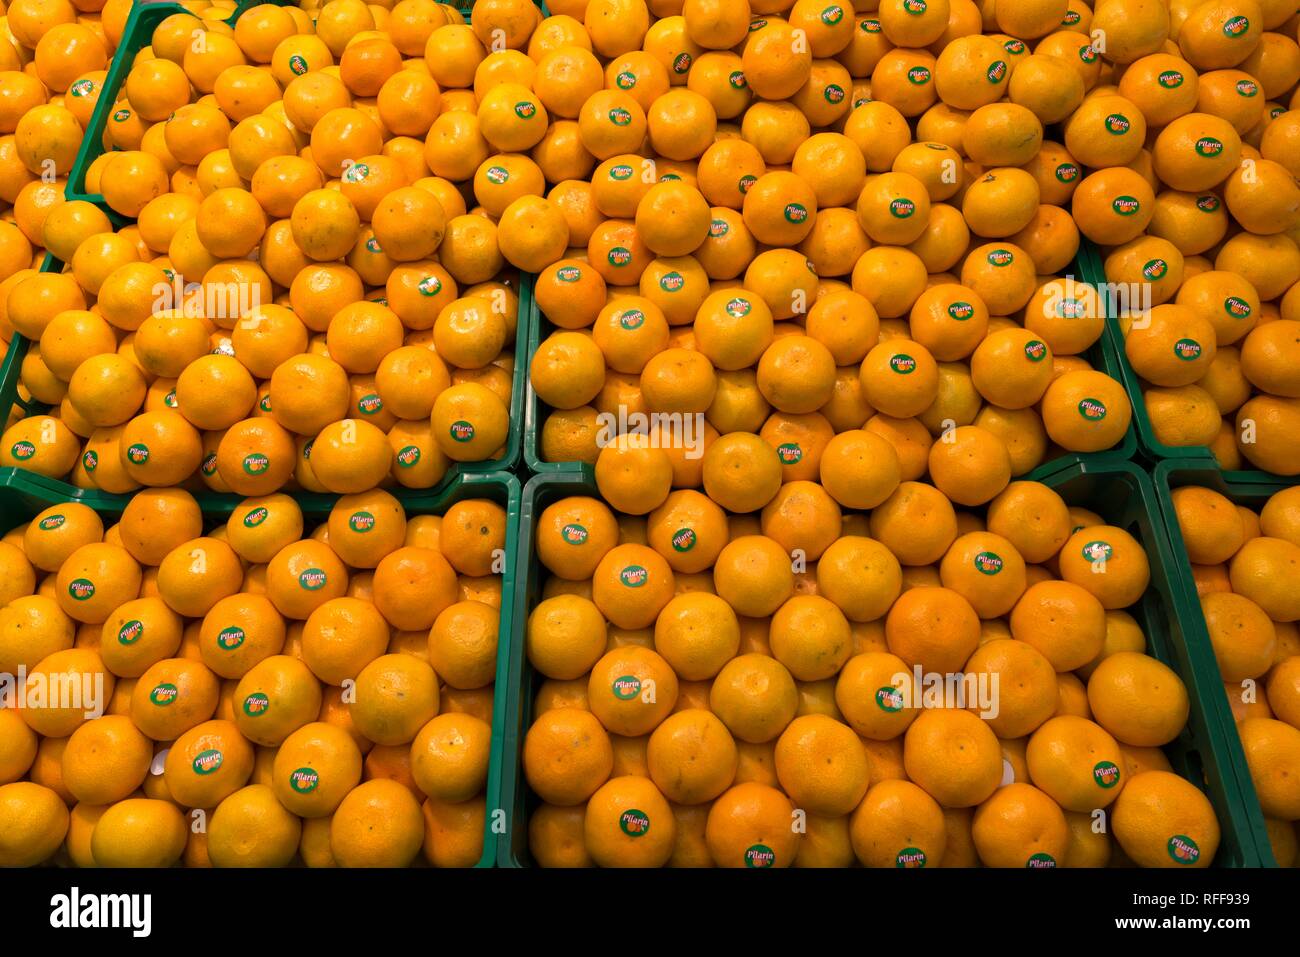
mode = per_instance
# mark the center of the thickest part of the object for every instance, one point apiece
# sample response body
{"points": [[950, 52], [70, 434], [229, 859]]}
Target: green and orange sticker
{"points": [[304, 780], [1094, 410], [1105, 774], [634, 822], [910, 858], [1155, 269], [902, 208], [789, 453], [1237, 307], [81, 589], [1117, 124], [312, 579], [1098, 551], [1125, 205], [626, 687], [1183, 850], [634, 576], [207, 762], [760, 856], [130, 632], [889, 699], [1209, 147], [1235, 27], [256, 463]]}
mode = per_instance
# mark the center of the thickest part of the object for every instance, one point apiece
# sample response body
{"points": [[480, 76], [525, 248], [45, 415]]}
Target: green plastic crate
{"points": [[1123, 495], [11, 370], [12, 365], [1093, 270], [22, 496], [1205, 473], [1102, 356], [143, 19], [137, 34]]}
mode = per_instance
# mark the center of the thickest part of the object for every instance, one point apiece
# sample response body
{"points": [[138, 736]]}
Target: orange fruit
{"points": [[811, 637], [1140, 700], [933, 627], [1076, 762], [1020, 826], [691, 757], [954, 756], [1160, 820], [629, 823], [631, 690], [821, 764], [1241, 633], [207, 764], [898, 825], [276, 697], [567, 756], [377, 824], [632, 584], [1027, 683], [755, 697], [696, 633], [916, 523], [970, 465], [1063, 621], [105, 760], [139, 832], [749, 826]]}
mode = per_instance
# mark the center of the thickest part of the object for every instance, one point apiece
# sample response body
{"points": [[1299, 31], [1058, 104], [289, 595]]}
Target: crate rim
{"points": [[465, 486], [1110, 362], [1236, 813], [1205, 473], [1148, 446]]}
